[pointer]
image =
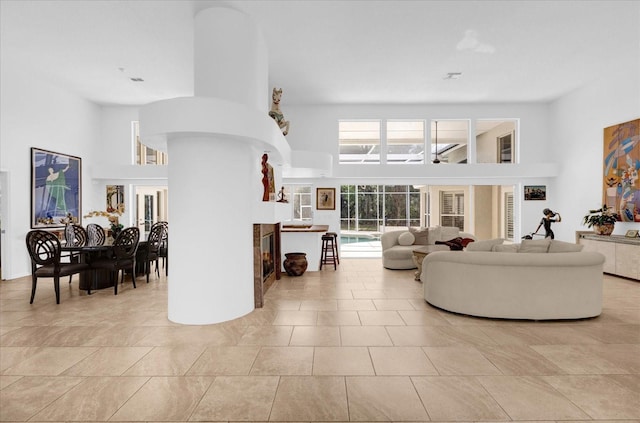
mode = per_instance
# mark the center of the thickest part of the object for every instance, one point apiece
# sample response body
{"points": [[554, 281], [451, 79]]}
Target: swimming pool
{"points": [[358, 238]]}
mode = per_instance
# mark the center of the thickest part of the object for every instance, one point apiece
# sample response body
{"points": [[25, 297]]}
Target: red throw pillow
{"points": [[466, 241]]}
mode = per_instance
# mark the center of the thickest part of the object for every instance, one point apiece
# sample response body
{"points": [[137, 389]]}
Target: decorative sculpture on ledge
{"points": [[276, 113], [268, 182]]}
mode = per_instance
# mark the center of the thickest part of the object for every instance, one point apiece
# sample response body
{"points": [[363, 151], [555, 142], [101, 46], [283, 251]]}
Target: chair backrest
{"points": [[43, 247], [95, 234], [75, 235], [156, 234], [126, 243]]}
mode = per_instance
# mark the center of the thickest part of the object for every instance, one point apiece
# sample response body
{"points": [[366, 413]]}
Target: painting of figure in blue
{"points": [[621, 170], [55, 188]]}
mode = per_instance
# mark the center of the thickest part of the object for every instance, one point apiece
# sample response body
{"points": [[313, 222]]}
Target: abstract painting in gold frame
{"points": [[621, 164]]}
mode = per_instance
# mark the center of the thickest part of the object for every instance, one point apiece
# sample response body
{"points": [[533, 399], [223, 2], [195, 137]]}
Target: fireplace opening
{"points": [[268, 262]]}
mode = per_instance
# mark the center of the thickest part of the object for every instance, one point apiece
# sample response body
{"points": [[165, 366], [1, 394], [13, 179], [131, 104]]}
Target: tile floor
{"points": [[356, 344]]}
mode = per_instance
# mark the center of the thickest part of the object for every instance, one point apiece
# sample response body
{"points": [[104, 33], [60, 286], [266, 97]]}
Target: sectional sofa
{"points": [[554, 280]]}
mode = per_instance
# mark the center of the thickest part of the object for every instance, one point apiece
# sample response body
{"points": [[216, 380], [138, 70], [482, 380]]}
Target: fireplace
{"points": [[266, 259]]}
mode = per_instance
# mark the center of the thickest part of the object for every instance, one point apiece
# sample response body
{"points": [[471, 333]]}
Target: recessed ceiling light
{"points": [[137, 79], [452, 75]]}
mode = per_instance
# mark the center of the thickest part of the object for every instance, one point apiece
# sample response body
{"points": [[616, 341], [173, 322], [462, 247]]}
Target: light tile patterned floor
{"points": [[356, 344]]}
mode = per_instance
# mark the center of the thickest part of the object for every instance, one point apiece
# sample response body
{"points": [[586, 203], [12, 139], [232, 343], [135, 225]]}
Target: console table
{"points": [[622, 254]]}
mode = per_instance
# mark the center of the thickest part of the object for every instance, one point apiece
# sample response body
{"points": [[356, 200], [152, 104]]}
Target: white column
{"points": [[211, 273], [210, 174], [230, 58]]}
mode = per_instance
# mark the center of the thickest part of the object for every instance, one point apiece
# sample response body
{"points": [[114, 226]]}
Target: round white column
{"points": [[230, 58], [211, 275], [210, 170]]}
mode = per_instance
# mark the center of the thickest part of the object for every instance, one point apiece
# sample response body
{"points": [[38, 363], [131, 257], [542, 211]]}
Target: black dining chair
{"points": [[95, 235], [44, 249], [163, 252], [152, 248], [121, 257], [75, 236]]}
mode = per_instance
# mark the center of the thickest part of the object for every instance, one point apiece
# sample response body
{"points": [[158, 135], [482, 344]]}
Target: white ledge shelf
{"points": [[202, 116]]}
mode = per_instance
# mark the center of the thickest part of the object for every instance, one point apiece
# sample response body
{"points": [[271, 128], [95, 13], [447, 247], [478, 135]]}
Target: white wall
{"points": [[38, 114], [577, 124]]}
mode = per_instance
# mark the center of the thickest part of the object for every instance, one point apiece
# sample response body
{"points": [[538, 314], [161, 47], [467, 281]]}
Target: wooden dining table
{"points": [[94, 279]]}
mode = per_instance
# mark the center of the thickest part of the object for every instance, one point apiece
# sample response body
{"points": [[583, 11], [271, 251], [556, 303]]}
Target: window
{"points": [[299, 196], [508, 215], [452, 209], [359, 141], [452, 136], [146, 155], [505, 148], [495, 141], [365, 208], [405, 141], [426, 199]]}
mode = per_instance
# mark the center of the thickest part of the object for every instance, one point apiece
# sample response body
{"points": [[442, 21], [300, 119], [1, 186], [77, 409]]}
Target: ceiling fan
{"points": [[436, 160]]}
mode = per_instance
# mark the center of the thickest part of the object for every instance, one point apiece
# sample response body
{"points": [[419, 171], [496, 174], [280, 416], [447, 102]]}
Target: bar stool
{"points": [[335, 244], [327, 255]]}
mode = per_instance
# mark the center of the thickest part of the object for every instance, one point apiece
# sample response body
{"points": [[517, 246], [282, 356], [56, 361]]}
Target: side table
{"points": [[418, 255]]}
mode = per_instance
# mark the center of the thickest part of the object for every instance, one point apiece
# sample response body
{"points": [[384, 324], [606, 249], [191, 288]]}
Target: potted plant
{"points": [[602, 220]]}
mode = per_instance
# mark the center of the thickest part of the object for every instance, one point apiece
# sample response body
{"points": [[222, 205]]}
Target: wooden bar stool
{"points": [[327, 255], [335, 245]]}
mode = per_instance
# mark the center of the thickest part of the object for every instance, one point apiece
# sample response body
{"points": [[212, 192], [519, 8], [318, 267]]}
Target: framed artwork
{"points": [[115, 198], [56, 189], [621, 169], [535, 192], [325, 198]]}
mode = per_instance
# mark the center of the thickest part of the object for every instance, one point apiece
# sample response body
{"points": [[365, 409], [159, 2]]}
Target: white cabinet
{"points": [[622, 255]]}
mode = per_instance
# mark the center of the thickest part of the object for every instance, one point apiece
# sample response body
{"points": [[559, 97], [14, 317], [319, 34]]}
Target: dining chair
{"points": [[44, 249], [121, 257], [163, 252], [152, 248], [75, 236], [95, 234]]}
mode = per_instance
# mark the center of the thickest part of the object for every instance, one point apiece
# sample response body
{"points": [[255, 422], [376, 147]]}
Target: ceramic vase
{"points": [[295, 264]]}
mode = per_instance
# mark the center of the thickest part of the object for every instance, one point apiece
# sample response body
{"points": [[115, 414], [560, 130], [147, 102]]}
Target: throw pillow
{"points": [[466, 241], [434, 235], [505, 248], [534, 246], [421, 236], [564, 247], [448, 232], [406, 238], [454, 244], [486, 245]]}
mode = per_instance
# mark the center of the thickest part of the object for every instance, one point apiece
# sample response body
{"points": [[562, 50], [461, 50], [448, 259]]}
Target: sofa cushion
{"points": [[505, 248], [448, 233], [485, 245], [399, 252], [406, 238], [534, 246], [434, 235], [564, 247], [421, 236]]}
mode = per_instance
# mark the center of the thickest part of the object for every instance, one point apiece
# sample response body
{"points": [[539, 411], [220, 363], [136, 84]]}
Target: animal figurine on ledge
{"points": [[276, 113]]}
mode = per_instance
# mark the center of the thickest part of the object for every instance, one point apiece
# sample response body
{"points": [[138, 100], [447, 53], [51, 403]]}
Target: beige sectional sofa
{"points": [[398, 245], [559, 282]]}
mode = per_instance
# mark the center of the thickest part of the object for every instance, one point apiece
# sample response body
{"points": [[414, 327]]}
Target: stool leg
{"points": [[335, 238]]}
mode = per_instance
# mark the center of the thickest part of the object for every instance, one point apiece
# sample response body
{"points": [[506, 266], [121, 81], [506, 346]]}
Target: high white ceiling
{"points": [[330, 51]]}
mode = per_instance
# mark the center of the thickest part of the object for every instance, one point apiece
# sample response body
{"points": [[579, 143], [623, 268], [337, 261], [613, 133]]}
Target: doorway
{"points": [[151, 207]]}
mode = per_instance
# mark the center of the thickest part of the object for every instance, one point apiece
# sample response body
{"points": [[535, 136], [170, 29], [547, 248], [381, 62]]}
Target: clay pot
{"points": [[295, 264], [605, 229]]}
